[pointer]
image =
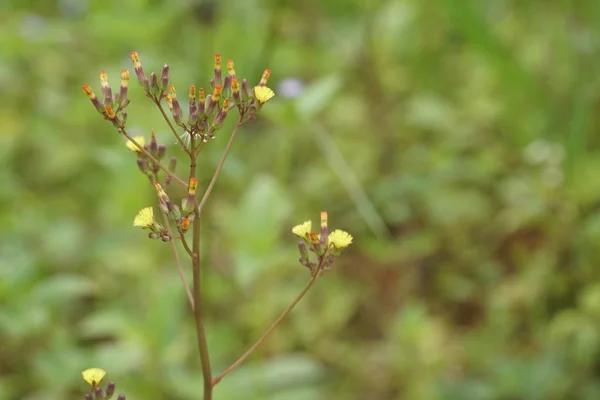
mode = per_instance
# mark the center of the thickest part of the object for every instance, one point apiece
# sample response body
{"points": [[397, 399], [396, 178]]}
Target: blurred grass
{"points": [[456, 140]]}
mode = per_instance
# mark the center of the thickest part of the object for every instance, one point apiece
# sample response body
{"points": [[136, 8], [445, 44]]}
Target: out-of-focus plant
{"points": [[206, 115]]}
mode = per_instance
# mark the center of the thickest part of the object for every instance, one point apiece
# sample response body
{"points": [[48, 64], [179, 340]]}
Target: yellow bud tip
{"points": [[192, 92], [110, 113], [230, 68], [103, 79], [93, 376], [88, 90], [340, 239], [136, 60], [159, 189], [302, 230], [263, 94], [172, 92], [193, 185], [217, 92], [185, 224], [225, 104], [201, 95], [265, 77], [144, 218], [323, 219], [235, 85], [217, 61], [131, 146], [124, 76]]}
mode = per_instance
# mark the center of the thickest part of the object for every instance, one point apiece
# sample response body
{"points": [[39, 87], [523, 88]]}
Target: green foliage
{"points": [[456, 141]]}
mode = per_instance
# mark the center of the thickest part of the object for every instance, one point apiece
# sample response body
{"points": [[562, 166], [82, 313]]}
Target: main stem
{"points": [[198, 317]]}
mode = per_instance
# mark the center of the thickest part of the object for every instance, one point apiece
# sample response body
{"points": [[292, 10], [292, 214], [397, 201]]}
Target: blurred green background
{"points": [[455, 139]]}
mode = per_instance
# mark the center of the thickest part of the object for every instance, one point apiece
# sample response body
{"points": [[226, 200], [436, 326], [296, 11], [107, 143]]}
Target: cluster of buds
{"points": [[325, 245], [183, 216], [93, 377], [206, 111], [146, 165], [112, 106]]}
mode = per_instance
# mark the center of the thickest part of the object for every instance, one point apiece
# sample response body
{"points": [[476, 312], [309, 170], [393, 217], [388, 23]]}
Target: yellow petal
{"points": [[302, 230], [144, 218], [340, 239], [93, 376], [263, 94], [140, 139]]}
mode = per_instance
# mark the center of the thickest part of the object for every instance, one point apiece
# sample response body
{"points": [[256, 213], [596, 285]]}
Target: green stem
{"points": [[270, 329]]}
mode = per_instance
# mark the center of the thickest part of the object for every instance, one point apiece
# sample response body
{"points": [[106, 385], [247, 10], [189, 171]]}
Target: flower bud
{"points": [[220, 118], [162, 150], [164, 78], [122, 100], [110, 390], [121, 397], [153, 145], [94, 99], [98, 393], [235, 90], [139, 72], [324, 231], [265, 77], [154, 88], [142, 165], [246, 95], [88, 396], [217, 78], [172, 164], [106, 90]]}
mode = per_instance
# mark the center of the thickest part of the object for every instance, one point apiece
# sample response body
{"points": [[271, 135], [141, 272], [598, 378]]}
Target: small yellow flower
{"points": [[302, 230], [93, 376], [263, 94], [140, 139], [340, 239], [145, 218]]}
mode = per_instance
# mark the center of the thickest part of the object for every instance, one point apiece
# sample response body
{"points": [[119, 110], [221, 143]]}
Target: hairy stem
{"points": [[270, 329]]}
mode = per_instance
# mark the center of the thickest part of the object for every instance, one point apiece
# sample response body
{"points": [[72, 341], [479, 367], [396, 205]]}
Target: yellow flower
{"points": [[145, 218], [133, 147], [340, 239], [302, 230], [93, 376], [263, 94]]}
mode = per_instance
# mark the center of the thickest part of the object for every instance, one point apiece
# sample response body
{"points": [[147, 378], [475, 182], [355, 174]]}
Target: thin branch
{"points": [[289, 308], [147, 154], [164, 114], [186, 246], [178, 263], [219, 167]]}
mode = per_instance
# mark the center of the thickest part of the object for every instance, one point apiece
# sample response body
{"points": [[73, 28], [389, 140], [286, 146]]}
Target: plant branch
{"points": [[289, 308], [219, 167], [186, 246], [164, 114], [178, 263], [152, 158]]}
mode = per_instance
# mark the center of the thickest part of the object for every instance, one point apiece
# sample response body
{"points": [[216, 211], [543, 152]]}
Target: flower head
{"points": [[93, 376], [340, 239], [263, 94], [131, 146], [302, 230], [144, 218]]}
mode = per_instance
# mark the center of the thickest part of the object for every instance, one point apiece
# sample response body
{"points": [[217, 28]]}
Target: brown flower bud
{"points": [[139, 71]]}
